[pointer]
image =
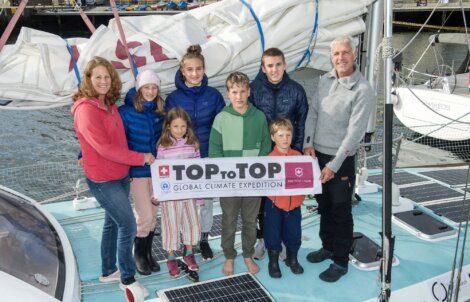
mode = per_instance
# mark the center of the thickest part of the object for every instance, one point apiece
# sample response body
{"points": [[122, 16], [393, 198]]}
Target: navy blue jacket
{"points": [[286, 99], [143, 130], [202, 103]]}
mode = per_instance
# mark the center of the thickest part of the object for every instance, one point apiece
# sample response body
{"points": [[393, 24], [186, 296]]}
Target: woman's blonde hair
{"points": [[165, 138], [86, 87], [139, 102], [193, 52]]}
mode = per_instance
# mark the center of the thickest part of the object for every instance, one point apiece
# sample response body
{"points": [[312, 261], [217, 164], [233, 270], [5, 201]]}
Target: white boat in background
{"points": [[440, 107]]}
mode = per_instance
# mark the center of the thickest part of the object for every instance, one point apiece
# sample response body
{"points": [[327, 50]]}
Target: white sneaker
{"points": [[114, 277], [260, 250], [135, 291], [282, 254]]}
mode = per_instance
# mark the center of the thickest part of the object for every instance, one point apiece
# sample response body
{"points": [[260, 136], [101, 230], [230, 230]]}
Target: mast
{"points": [[387, 239], [374, 33]]}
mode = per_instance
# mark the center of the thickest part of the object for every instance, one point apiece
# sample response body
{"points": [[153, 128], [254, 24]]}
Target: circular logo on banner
{"points": [[165, 186]]}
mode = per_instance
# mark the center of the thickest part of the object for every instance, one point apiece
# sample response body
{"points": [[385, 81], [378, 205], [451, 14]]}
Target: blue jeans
{"points": [[119, 227]]}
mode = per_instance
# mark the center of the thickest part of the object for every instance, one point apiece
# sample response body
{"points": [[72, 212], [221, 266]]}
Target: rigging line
{"points": [[451, 283], [419, 60], [419, 31], [308, 54], [430, 44], [258, 22]]}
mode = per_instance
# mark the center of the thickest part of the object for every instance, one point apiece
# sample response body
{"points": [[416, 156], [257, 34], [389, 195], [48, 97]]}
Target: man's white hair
{"points": [[344, 39]]}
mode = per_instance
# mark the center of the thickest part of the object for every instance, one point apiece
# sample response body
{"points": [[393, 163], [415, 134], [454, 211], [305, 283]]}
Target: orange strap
{"points": [[121, 34], [87, 21], [12, 23]]}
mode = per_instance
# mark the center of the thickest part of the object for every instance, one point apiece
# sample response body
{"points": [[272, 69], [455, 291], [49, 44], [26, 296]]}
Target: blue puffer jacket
{"points": [[143, 130], [202, 103], [286, 99]]}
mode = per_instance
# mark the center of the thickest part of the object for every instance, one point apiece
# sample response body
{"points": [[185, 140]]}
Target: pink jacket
{"points": [[103, 141], [179, 150]]}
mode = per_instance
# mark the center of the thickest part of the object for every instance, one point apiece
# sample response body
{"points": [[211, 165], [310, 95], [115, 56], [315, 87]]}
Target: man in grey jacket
{"points": [[336, 122]]}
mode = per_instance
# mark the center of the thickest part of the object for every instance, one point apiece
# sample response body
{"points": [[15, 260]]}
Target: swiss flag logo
{"points": [[164, 171]]}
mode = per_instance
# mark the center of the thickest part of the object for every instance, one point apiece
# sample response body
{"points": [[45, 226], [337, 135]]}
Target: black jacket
{"points": [[286, 99]]}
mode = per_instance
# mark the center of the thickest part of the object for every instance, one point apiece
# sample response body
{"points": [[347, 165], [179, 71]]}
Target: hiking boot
{"points": [[134, 291], [140, 257], [293, 263], [319, 256], [173, 268], [206, 251], [113, 277], [190, 261], [260, 250], [153, 265], [333, 273], [273, 265]]}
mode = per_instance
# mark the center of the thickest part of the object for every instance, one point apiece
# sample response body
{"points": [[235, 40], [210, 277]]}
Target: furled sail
{"points": [[42, 69]]}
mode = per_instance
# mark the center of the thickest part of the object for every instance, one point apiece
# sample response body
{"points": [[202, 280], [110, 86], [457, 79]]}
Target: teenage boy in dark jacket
{"points": [[278, 96]]}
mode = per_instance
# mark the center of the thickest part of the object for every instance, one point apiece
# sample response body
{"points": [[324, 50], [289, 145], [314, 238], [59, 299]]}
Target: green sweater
{"points": [[234, 134]]}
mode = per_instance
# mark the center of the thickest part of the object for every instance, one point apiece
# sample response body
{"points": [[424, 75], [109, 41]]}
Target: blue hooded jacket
{"points": [[286, 99], [202, 103], [143, 130]]}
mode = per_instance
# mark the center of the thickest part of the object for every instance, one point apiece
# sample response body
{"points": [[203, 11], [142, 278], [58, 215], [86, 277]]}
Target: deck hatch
{"points": [[365, 253], [423, 225]]}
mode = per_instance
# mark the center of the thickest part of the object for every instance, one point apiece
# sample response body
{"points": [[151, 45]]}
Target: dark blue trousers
{"points": [[281, 226]]}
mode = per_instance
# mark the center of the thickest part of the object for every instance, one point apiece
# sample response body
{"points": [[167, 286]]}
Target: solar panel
{"points": [[242, 287], [399, 178], [428, 192], [160, 254], [456, 211], [450, 176]]}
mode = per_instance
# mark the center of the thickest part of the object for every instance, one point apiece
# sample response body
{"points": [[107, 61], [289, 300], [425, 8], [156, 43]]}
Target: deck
{"points": [[419, 260]]}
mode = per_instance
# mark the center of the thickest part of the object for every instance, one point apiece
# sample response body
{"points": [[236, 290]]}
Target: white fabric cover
{"points": [[36, 72]]}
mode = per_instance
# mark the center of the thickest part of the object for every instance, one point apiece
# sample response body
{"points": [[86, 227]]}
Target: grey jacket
{"points": [[338, 115]]}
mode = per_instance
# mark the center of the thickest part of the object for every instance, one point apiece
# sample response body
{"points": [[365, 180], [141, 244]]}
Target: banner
{"points": [[235, 176]]}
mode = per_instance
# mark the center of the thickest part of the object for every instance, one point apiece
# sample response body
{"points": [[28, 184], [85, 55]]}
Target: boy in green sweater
{"points": [[239, 130]]}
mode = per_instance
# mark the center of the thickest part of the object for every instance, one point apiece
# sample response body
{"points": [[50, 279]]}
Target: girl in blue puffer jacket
{"points": [[143, 115], [202, 103]]}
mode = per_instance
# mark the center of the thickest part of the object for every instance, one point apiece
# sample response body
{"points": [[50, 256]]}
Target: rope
{"points": [[12, 23], [258, 23], [307, 53], [75, 67], [87, 21], [454, 263]]}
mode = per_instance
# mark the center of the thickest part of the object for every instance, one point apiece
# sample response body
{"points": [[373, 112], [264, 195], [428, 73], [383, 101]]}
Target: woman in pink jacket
{"points": [[106, 161]]}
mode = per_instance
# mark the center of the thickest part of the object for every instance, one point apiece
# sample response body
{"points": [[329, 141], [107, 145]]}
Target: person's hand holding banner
{"points": [[235, 176]]}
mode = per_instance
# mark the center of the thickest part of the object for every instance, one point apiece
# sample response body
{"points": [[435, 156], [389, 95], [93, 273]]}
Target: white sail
{"points": [[37, 71]]}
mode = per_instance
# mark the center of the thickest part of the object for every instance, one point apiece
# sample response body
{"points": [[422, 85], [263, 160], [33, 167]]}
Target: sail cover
{"points": [[42, 70]]}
